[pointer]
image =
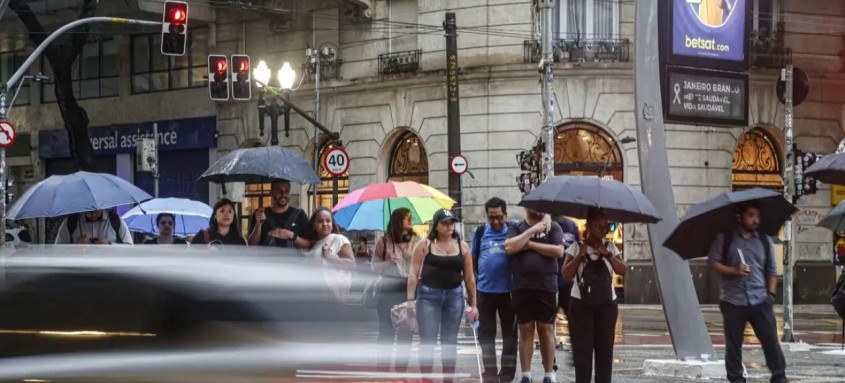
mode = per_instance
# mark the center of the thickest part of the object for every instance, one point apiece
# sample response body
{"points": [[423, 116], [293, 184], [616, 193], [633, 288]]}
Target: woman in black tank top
{"points": [[440, 266]]}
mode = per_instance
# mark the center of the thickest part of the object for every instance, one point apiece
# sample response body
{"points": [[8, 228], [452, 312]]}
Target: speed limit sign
{"points": [[336, 161]]}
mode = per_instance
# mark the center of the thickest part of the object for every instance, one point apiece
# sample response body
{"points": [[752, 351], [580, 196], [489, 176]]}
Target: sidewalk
{"points": [[642, 334]]}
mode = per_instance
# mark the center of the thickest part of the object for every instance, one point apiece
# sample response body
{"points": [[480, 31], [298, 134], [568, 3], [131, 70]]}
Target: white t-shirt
{"points": [[594, 255], [335, 242]]}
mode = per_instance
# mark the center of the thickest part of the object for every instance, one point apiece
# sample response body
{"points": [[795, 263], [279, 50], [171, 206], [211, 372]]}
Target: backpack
{"points": [[595, 282], [727, 240], [838, 301], [476, 245], [73, 222]]}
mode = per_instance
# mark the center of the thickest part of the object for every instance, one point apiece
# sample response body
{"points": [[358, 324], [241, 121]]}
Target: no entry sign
{"points": [[336, 161], [7, 134]]}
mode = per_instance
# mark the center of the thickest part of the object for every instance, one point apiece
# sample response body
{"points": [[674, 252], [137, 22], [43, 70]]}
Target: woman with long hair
{"points": [[334, 250], [222, 228], [391, 260], [593, 309], [440, 267]]}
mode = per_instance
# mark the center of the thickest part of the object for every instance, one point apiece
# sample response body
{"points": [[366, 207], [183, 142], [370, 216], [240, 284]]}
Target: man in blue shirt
{"points": [[745, 260], [494, 288]]}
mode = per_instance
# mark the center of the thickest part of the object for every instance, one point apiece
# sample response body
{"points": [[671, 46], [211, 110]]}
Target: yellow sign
{"points": [[837, 194]]}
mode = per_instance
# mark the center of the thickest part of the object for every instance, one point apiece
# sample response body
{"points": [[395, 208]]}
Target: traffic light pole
{"points": [[545, 7], [788, 192], [453, 110], [3, 174], [156, 172]]}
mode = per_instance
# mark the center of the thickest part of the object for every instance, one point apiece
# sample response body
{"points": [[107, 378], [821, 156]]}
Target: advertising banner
{"points": [[709, 29], [707, 97]]}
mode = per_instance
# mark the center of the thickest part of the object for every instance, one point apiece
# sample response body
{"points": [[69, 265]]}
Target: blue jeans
{"points": [[439, 311]]}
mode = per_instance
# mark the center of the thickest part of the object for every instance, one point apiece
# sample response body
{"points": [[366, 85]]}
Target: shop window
{"points": [[332, 189], [408, 160], [153, 72], [756, 162], [95, 73]]}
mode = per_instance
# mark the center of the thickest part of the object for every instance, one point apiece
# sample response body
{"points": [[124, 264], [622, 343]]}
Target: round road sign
{"points": [[458, 164], [336, 161], [7, 134]]}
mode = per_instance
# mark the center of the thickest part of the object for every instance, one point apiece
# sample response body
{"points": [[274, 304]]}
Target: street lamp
{"points": [[286, 77]]}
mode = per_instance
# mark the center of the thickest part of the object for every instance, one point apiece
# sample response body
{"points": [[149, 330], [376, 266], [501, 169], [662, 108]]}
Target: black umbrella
{"points": [[574, 196], [259, 165], [830, 169], [694, 235]]}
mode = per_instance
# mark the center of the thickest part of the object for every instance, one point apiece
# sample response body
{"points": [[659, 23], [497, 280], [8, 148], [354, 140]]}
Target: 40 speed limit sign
{"points": [[336, 161]]}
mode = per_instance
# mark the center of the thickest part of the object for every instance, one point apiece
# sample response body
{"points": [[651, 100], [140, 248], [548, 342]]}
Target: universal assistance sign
{"points": [[709, 29]]}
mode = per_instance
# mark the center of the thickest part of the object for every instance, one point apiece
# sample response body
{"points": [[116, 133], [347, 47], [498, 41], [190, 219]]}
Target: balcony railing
{"points": [[569, 50], [399, 62], [329, 70], [767, 49]]}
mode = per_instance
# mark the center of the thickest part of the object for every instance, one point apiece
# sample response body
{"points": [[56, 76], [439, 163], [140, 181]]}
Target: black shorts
{"points": [[534, 306]]}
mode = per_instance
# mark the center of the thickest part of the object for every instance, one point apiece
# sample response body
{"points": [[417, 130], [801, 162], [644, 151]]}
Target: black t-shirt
{"points": [[292, 219], [176, 241], [532, 270], [232, 238]]}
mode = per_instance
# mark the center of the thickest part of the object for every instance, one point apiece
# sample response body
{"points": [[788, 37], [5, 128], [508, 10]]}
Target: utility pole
{"points": [[547, 62], [788, 193], [2, 174], [156, 173], [453, 111]]}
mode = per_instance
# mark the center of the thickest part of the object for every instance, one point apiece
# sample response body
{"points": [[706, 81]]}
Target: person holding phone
{"points": [[745, 260]]}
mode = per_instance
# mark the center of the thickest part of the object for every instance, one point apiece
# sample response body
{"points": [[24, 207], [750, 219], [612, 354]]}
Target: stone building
{"points": [[383, 91]]}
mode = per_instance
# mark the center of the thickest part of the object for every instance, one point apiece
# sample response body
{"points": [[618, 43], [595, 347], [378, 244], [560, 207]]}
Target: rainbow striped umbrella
{"points": [[369, 208]]}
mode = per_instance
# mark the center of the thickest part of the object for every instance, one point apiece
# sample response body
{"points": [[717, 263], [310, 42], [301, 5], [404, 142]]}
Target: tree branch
{"points": [[37, 34]]}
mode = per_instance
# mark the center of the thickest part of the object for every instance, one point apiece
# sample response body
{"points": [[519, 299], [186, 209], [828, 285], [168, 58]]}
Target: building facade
{"points": [[383, 90]]}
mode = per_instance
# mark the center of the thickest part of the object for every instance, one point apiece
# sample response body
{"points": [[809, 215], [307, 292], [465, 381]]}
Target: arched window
{"points": [[756, 162], [332, 189], [408, 160], [584, 149]]}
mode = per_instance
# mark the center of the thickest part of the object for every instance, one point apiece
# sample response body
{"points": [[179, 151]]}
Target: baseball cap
{"points": [[443, 215]]}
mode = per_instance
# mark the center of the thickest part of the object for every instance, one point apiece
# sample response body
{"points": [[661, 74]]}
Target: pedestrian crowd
{"points": [[512, 277]]}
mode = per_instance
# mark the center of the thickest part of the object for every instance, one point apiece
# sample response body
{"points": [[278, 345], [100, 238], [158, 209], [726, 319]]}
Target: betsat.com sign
{"points": [[713, 29]]}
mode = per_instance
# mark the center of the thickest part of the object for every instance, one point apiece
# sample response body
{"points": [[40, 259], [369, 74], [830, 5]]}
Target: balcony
{"points": [[399, 62], [574, 51], [767, 50]]}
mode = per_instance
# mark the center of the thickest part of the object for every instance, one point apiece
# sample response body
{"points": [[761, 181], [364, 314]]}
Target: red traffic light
{"points": [[220, 66], [243, 66], [177, 15]]}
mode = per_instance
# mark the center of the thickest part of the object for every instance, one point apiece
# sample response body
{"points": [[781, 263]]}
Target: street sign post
{"points": [[458, 164], [336, 161]]}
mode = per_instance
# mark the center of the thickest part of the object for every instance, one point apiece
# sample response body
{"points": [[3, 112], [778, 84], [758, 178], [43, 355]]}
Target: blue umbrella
{"points": [[75, 193], [258, 165], [191, 216]]}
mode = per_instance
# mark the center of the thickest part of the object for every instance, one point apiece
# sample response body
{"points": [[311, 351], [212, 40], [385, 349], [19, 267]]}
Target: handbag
{"points": [[403, 315]]}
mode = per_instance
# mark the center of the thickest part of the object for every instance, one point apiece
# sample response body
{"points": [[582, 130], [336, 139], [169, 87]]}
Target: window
{"points": [[408, 160], [95, 73], [756, 162], [9, 63], [255, 196], [587, 19], [153, 72], [584, 149], [332, 189], [765, 16]]}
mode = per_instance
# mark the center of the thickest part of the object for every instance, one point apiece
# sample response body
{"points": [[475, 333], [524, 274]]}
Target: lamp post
{"points": [[286, 77]]}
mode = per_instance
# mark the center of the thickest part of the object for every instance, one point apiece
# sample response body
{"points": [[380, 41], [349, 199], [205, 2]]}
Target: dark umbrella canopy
{"points": [[694, 235], [258, 165], [574, 196], [830, 169], [835, 220]]}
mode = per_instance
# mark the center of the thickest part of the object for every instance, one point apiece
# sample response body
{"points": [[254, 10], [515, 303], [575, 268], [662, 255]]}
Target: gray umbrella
{"points": [[830, 169], [258, 165], [835, 220], [694, 235], [574, 196]]}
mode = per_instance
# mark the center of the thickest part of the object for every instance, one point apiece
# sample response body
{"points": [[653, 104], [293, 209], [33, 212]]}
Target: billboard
{"points": [[706, 97], [705, 30]]}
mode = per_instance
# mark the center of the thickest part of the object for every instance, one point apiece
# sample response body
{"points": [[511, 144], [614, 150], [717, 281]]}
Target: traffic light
{"points": [[218, 77], [241, 78], [174, 28]]}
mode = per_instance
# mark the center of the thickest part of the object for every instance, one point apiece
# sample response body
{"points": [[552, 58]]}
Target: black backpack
{"points": [[73, 222], [595, 282]]}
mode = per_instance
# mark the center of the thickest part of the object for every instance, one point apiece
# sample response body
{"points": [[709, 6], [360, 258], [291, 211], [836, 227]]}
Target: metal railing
{"points": [[399, 62], [766, 50], [573, 50], [329, 70]]}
